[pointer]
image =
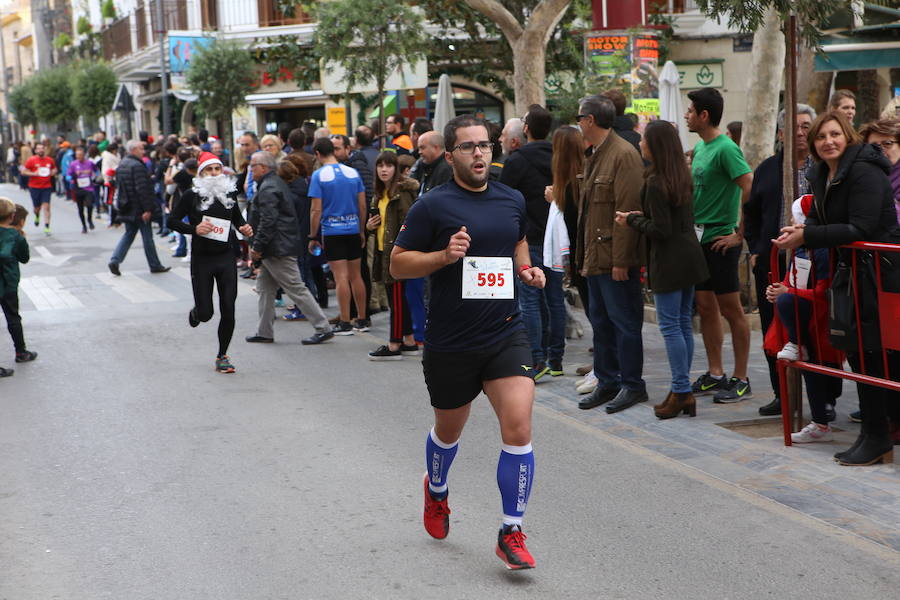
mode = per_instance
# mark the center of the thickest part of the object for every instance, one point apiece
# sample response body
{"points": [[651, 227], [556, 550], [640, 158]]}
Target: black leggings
{"points": [[218, 268], [85, 200]]}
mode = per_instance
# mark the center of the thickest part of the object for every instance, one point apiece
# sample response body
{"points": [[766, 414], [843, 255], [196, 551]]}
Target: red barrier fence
{"points": [[889, 324]]}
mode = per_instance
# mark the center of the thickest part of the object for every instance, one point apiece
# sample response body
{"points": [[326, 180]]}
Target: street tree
{"points": [[768, 19], [221, 74], [94, 89], [386, 36], [528, 36], [21, 103], [53, 97]]}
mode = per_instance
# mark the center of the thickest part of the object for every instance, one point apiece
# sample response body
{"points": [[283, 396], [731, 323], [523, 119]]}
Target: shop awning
{"points": [[279, 97], [858, 56], [390, 106]]}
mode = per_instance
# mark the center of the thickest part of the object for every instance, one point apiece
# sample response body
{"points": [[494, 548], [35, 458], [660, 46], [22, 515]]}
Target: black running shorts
{"points": [[723, 271], [455, 378], [343, 247]]}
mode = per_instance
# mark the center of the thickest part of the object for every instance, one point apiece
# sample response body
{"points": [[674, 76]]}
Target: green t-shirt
{"points": [[717, 198]]}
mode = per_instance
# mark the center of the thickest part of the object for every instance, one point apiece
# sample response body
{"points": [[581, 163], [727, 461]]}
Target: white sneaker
{"points": [[792, 352], [588, 385], [812, 433], [583, 379]]}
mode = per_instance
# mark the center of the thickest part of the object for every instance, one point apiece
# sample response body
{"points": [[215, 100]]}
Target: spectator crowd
{"points": [[613, 213]]}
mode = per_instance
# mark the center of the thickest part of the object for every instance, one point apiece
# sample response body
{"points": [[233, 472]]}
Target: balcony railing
{"points": [[174, 16], [250, 14], [140, 23], [674, 6], [117, 39], [269, 16]]}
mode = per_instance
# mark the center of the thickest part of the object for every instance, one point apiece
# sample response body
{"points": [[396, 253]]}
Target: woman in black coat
{"points": [[853, 203], [676, 258]]}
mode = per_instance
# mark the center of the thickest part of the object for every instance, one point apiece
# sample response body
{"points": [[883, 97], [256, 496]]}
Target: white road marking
{"points": [[47, 293], [134, 289], [48, 257]]}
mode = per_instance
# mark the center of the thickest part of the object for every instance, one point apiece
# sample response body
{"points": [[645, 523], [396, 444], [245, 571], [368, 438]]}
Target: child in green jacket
{"points": [[13, 250]]}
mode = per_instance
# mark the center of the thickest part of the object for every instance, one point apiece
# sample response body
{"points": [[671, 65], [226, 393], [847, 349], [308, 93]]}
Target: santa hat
{"points": [[206, 159], [800, 208]]}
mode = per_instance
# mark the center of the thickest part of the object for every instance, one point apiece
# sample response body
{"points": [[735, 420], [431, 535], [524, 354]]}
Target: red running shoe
{"points": [[511, 548], [437, 515]]}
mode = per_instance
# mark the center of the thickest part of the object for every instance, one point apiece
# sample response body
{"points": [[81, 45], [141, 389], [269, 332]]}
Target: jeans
{"points": [[617, 315], [306, 273], [131, 230], [9, 303], [785, 306], [415, 297], [544, 311], [673, 313]]}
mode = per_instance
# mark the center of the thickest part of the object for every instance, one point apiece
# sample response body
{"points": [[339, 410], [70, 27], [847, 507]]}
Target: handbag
{"points": [[844, 324]]}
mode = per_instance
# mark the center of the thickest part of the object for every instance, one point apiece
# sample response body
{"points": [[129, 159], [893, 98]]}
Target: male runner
{"points": [[40, 170], [474, 339]]}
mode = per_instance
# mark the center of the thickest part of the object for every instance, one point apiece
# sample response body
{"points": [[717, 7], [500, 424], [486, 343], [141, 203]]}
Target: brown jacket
{"points": [[612, 181], [394, 216]]}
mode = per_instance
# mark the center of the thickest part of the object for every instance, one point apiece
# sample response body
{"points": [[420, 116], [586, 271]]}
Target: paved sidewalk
{"points": [[861, 500]]}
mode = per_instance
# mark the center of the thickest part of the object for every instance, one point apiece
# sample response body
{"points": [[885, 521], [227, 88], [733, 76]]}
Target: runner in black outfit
{"points": [[213, 215]]}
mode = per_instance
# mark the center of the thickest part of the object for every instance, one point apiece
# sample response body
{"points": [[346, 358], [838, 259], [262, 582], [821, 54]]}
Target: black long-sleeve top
{"points": [[188, 205]]}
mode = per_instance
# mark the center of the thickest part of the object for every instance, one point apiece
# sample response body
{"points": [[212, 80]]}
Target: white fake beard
{"points": [[214, 188]]}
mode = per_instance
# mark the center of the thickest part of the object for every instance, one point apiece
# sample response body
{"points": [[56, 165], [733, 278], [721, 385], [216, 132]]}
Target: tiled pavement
{"points": [[861, 500]]}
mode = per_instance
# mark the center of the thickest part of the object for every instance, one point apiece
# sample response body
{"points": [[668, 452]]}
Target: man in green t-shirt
{"points": [[722, 180]]}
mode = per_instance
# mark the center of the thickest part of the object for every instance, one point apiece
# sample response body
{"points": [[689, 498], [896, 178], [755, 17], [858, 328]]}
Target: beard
{"points": [[469, 177], [211, 189]]}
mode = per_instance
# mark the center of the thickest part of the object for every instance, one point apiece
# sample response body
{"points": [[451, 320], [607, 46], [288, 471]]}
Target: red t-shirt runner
{"points": [[42, 165]]}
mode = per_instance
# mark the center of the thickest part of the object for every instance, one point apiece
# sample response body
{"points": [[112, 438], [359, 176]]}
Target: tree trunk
{"points": [[381, 117], [529, 72], [767, 67], [867, 105], [528, 43]]}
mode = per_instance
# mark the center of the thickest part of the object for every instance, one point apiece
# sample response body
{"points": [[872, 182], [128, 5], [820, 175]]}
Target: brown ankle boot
{"points": [[679, 403], [664, 402]]}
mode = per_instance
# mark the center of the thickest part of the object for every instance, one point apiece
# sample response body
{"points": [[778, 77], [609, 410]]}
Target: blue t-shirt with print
{"points": [[338, 186]]}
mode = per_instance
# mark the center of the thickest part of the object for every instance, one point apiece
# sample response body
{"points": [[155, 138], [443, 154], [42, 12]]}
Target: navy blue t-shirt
{"points": [[495, 220]]}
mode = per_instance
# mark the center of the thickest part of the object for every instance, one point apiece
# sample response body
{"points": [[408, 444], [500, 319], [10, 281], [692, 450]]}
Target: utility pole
{"points": [[164, 77], [6, 132]]}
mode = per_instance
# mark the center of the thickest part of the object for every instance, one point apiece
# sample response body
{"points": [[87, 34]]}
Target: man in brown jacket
{"points": [[611, 257]]}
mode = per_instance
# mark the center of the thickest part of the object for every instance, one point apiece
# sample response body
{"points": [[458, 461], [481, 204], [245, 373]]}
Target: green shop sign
{"points": [[700, 74]]}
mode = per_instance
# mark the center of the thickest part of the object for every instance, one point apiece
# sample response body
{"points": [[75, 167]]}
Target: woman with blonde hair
{"points": [[272, 144]]}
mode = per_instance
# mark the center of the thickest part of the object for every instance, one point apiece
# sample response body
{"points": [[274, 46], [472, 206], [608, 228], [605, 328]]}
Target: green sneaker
{"points": [[538, 371], [734, 391], [707, 384], [556, 368]]}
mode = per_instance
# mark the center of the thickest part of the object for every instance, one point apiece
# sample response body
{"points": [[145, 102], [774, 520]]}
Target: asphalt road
{"points": [[129, 469]]}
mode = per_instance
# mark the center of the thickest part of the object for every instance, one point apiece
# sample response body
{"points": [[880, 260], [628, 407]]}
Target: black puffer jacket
{"points": [[358, 161], [274, 219], [133, 181], [859, 203]]}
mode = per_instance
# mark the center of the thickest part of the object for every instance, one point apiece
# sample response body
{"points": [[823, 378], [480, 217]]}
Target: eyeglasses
{"points": [[469, 147], [580, 117]]}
